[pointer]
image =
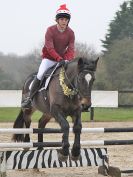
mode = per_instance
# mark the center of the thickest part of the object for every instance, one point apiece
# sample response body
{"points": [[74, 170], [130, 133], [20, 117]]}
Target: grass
{"points": [[111, 114], [10, 114], [100, 114]]}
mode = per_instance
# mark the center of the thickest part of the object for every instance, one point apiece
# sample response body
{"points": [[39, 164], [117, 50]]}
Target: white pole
{"points": [[56, 130], [16, 145], [31, 144], [16, 130], [30, 130]]}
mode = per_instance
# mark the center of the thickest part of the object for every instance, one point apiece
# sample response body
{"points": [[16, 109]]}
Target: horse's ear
{"points": [[80, 63], [96, 61]]}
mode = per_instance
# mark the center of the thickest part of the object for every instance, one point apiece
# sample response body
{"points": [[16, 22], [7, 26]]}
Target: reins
{"points": [[74, 90], [70, 92], [69, 89]]}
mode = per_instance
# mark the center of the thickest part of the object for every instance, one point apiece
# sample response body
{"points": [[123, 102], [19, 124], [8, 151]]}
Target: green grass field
{"points": [[111, 114], [10, 114], [100, 114]]}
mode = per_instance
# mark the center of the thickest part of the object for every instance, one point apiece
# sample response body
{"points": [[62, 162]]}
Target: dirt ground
{"points": [[119, 156]]}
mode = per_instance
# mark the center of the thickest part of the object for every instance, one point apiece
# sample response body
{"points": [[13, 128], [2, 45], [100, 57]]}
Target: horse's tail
{"points": [[19, 123]]}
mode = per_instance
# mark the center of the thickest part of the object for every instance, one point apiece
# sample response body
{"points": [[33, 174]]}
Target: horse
{"points": [[68, 94]]}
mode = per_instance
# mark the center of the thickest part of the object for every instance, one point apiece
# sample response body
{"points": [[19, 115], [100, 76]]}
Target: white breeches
{"points": [[45, 64]]}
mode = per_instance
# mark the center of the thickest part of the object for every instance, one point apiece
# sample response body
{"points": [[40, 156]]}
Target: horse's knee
{"points": [[77, 128]]}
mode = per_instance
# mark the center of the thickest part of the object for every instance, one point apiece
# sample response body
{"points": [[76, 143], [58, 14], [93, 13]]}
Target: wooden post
{"points": [[92, 114]]}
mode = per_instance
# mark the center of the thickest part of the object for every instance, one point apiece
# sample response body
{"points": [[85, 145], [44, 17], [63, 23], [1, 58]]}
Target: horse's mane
{"points": [[73, 63], [89, 63]]}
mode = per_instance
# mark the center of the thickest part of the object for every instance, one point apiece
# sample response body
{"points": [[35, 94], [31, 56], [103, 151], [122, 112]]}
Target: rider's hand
{"points": [[62, 63], [66, 61]]}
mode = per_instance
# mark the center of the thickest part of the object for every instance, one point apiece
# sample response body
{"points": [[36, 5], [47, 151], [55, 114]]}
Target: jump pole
{"points": [[59, 144], [55, 130], [126, 171]]}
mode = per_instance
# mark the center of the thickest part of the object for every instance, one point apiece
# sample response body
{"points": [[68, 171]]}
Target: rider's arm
{"points": [[50, 46], [69, 54]]}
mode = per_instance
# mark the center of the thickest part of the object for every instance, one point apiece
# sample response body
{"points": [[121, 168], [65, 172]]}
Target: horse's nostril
{"points": [[85, 108]]}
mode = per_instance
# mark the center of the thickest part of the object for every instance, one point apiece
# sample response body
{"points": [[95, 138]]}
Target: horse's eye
{"points": [[79, 79]]}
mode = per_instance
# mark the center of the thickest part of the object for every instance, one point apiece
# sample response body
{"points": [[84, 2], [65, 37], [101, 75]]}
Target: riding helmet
{"points": [[63, 12]]}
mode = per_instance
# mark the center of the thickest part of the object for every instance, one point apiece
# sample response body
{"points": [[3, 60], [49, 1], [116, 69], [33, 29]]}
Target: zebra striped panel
{"points": [[48, 158]]}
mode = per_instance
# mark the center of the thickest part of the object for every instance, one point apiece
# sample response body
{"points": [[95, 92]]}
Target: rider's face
{"points": [[63, 22]]}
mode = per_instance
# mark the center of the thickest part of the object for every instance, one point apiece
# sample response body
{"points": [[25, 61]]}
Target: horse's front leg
{"points": [[77, 127], [61, 119]]}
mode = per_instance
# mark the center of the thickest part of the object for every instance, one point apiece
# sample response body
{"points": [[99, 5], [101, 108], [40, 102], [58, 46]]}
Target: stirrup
{"points": [[26, 103]]}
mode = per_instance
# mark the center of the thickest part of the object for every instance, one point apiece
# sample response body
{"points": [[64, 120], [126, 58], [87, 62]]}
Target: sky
{"points": [[23, 23]]}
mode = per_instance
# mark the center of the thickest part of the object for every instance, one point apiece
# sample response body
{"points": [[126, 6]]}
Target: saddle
{"points": [[48, 75]]}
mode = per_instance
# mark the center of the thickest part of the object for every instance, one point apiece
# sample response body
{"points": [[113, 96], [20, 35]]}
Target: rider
{"points": [[58, 47]]}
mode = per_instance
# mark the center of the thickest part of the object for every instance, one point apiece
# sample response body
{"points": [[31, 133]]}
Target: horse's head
{"points": [[86, 77]]}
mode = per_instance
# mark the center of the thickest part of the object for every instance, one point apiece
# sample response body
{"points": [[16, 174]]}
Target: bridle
{"points": [[74, 90], [85, 95]]}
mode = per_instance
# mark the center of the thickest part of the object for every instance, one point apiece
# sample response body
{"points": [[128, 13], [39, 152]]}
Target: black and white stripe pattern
{"points": [[49, 159], [55, 130]]}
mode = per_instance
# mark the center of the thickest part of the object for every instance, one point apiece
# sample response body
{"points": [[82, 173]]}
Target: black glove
{"points": [[62, 63]]}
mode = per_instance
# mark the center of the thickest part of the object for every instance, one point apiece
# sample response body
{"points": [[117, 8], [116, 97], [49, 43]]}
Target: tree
{"points": [[119, 64], [101, 81], [121, 26], [6, 81], [15, 69], [83, 50]]}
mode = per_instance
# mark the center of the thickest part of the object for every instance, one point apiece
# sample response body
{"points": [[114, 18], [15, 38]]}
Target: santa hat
{"points": [[63, 10]]}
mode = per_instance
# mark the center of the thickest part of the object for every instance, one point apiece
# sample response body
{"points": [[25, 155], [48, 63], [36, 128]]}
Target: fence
{"points": [[100, 98], [115, 103], [50, 158]]}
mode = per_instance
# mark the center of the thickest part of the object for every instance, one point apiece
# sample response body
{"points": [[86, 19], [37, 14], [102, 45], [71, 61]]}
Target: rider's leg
{"points": [[34, 88], [45, 64]]}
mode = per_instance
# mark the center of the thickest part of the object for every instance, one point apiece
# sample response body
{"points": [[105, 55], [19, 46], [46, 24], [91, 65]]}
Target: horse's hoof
{"points": [[75, 153], [61, 157], [75, 158]]}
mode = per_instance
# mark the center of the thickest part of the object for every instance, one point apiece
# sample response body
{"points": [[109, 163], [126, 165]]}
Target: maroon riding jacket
{"points": [[58, 45]]}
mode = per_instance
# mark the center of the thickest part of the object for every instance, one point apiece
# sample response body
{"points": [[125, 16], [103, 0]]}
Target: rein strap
{"points": [[66, 90]]}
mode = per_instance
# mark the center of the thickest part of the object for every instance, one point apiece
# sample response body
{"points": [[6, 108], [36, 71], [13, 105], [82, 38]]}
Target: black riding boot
{"points": [[34, 88]]}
